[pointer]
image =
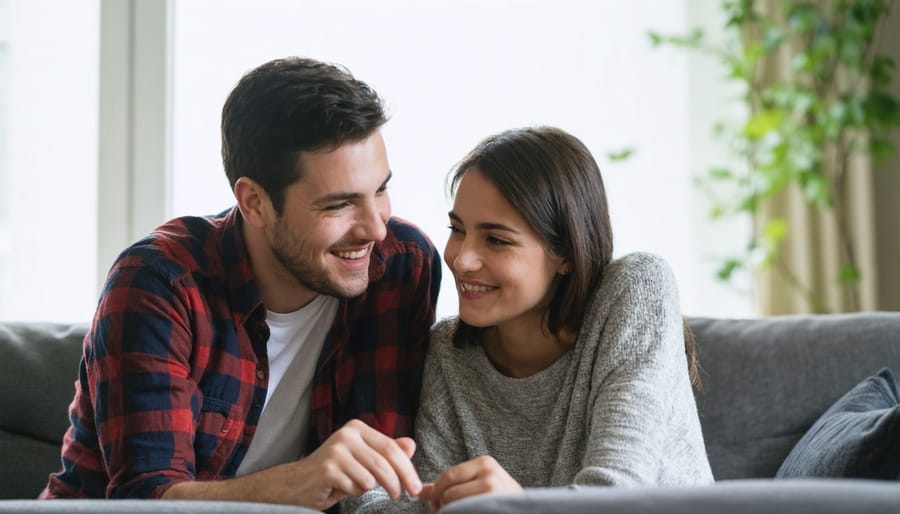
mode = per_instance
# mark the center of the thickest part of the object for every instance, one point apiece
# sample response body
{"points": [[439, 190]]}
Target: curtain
{"points": [[803, 278]]}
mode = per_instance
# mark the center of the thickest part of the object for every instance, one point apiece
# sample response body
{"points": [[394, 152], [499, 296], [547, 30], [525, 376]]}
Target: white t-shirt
{"points": [[295, 340]]}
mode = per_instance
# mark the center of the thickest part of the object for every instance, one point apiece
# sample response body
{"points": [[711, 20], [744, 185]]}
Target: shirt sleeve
{"points": [[640, 378], [138, 374]]}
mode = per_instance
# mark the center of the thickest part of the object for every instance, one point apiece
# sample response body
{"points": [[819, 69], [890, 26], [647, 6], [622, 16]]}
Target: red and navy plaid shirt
{"points": [[174, 371]]}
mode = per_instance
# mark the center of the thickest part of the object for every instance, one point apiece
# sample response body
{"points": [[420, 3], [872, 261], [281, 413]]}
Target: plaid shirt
{"points": [[174, 371]]}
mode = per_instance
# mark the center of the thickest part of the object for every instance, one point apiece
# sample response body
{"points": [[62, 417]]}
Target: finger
{"points": [[349, 477], [425, 493], [462, 490], [401, 467], [453, 475], [376, 464], [407, 445]]}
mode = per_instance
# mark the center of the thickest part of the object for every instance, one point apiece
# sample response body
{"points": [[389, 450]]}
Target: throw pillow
{"points": [[857, 437]]}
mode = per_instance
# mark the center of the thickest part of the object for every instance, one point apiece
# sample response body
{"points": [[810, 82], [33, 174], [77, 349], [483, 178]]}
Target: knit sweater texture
{"points": [[618, 409]]}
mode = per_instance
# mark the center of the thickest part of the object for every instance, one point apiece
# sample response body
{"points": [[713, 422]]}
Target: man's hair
{"points": [[288, 106]]}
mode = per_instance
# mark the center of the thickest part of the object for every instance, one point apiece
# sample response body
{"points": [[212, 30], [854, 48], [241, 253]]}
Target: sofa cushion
{"points": [[767, 380], [857, 437], [38, 368]]}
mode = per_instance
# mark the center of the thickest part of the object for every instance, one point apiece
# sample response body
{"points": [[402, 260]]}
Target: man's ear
{"points": [[253, 201]]}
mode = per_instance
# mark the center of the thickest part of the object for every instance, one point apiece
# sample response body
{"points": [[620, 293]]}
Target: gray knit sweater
{"points": [[616, 410]]}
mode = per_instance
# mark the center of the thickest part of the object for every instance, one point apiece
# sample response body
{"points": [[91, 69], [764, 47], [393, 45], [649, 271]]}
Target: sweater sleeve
{"points": [[640, 380]]}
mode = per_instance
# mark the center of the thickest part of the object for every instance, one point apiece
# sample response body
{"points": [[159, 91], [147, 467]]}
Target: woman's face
{"points": [[502, 270]]}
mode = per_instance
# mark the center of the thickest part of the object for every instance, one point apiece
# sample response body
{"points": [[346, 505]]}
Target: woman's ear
{"points": [[564, 268], [253, 201]]}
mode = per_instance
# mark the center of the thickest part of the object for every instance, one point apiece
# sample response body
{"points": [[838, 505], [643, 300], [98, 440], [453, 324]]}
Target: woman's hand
{"points": [[477, 476]]}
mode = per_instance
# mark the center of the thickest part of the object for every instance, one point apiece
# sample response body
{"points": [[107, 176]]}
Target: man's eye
{"points": [[337, 206], [454, 229]]}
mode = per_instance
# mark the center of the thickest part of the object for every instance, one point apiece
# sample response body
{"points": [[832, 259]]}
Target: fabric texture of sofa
{"points": [[766, 381]]}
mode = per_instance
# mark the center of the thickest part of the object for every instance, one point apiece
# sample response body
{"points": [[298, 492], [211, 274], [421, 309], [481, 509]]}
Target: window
{"points": [[48, 159]]}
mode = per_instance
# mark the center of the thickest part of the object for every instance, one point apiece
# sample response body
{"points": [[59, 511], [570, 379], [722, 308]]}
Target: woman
{"points": [[564, 366]]}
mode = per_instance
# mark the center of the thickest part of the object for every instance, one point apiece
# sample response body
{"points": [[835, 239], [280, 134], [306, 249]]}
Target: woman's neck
{"points": [[521, 351]]}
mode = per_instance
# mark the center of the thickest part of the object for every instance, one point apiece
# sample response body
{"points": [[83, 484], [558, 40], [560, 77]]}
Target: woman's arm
{"points": [[642, 416]]}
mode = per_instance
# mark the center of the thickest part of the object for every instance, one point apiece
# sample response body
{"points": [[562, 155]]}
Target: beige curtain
{"points": [[811, 256]]}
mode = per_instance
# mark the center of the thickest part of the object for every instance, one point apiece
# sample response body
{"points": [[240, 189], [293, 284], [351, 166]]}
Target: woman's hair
{"points": [[555, 184]]}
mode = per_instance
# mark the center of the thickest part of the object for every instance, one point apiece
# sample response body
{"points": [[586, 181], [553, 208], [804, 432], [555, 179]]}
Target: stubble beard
{"points": [[290, 253]]}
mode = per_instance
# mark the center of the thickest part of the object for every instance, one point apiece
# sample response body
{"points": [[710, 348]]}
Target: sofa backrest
{"points": [[768, 379], [38, 368]]}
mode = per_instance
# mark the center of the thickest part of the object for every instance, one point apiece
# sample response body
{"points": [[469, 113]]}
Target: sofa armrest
{"points": [[756, 496]]}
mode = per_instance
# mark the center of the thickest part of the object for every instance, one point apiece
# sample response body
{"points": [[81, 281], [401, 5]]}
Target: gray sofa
{"points": [[766, 381]]}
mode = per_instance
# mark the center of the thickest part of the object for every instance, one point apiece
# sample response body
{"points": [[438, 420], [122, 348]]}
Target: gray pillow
{"points": [[857, 437]]}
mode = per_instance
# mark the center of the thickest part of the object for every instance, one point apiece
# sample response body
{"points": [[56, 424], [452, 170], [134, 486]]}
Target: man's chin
{"points": [[347, 290]]}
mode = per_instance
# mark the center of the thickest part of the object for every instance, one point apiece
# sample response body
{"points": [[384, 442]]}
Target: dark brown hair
{"points": [[288, 106], [553, 181]]}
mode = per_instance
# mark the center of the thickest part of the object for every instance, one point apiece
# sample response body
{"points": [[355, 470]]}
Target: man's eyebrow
{"points": [[485, 225], [338, 197]]}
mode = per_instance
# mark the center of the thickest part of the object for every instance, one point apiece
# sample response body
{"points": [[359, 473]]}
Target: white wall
{"points": [[51, 107], [453, 72]]}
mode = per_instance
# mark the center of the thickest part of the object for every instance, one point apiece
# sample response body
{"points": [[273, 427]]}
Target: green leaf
{"points": [[881, 149], [762, 123], [882, 109], [728, 268], [848, 274], [721, 173], [621, 155], [775, 229], [802, 17], [882, 70], [691, 40]]}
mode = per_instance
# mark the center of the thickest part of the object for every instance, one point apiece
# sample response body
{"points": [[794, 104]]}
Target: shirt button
{"points": [[260, 374]]}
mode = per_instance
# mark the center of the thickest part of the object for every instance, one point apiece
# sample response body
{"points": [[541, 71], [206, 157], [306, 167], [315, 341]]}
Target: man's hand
{"points": [[477, 476], [353, 460]]}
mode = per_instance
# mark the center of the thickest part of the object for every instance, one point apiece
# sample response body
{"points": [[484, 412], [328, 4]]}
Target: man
{"points": [[272, 352]]}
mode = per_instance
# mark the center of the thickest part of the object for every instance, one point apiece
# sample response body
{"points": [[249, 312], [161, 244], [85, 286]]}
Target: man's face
{"points": [[333, 216]]}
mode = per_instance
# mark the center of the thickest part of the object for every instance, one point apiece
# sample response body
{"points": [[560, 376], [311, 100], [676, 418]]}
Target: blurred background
{"points": [[109, 124]]}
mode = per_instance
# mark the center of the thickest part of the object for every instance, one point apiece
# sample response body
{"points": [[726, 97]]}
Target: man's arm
{"points": [[353, 460]]}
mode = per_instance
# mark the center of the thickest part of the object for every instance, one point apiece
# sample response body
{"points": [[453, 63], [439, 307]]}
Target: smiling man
{"points": [[272, 352]]}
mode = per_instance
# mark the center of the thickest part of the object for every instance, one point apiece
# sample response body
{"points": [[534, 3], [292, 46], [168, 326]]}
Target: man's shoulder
{"points": [[403, 235], [180, 245]]}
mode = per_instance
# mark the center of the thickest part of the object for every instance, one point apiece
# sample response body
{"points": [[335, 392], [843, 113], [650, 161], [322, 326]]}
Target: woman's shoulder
{"points": [[442, 336], [636, 273]]}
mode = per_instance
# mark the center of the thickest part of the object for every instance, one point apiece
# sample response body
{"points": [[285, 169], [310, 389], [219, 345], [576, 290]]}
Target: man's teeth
{"points": [[474, 288], [358, 254]]}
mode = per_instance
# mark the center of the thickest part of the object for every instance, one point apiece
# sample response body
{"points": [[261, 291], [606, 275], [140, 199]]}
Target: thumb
{"points": [[407, 445]]}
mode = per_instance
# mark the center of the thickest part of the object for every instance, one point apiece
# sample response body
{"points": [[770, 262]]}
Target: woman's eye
{"points": [[497, 241]]}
